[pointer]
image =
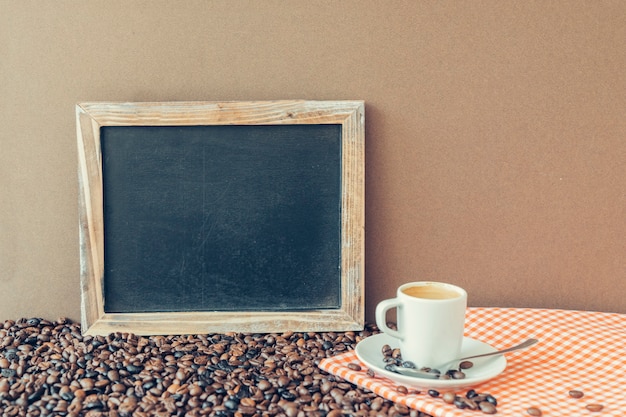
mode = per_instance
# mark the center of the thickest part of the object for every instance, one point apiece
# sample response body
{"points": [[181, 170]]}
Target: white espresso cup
{"points": [[430, 322]]}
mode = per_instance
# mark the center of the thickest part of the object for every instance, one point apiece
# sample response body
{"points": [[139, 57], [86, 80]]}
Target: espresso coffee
{"points": [[430, 321], [432, 292]]}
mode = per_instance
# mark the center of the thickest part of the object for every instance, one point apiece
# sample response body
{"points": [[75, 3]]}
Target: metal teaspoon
{"points": [[431, 375]]}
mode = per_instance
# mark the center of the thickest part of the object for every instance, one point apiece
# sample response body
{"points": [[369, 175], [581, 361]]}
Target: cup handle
{"points": [[381, 317]]}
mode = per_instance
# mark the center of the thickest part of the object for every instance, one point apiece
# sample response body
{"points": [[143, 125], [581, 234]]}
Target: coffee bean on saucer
{"points": [[386, 350], [466, 364]]}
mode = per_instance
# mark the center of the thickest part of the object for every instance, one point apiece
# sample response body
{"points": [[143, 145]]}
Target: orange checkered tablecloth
{"points": [[577, 350]]}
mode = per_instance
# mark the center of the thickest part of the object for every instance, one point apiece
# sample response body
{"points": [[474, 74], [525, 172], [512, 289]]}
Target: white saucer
{"points": [[369, 351]]}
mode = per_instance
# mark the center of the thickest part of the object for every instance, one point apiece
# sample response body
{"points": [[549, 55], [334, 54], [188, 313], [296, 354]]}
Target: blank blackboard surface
{"points": [[221, 218]]}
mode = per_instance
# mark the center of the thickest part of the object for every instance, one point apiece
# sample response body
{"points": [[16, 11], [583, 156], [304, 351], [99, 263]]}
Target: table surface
{"points": [[577, 350]]}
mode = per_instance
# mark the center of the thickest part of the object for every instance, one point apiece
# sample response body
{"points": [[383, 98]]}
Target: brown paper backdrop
{"points": [[496, 131]]}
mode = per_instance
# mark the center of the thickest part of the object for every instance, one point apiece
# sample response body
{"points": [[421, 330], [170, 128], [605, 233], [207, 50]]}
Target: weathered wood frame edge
{"points": [[90, 117]]}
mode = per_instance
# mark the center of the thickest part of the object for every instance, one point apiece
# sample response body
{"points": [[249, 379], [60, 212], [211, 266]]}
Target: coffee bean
{"points": [[433, 393], [36, 395], [594, 407], [283, 381], [264, 385], [401, 389], [354, 366], [34, 322], [466, 365], [471, 404], [448, 397], [93, 404], [335, 413], [87, 383], [576, 394], [134, 369], [491, 399], [487, 407], [534, 411], [231, 404], [460, 403]]}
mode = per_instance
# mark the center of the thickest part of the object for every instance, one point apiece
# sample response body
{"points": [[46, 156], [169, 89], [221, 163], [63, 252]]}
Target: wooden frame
{"points": [[92, 116]]}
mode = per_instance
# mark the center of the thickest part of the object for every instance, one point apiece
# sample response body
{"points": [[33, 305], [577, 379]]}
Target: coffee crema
{"points": [[431, 292]]}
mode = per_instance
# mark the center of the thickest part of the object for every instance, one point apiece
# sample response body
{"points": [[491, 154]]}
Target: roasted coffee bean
{"points": [[471, 404], [401, 389], [433, 393], [487, 407], [34, 322], [491, 399], [448, 397], [93, 404], [386, 350], [335, 413], [283, 381], [576, 394], [594, 407], [466, 365], [133, 369], [288, 395], [264, 385], [354, 366], [231, 404], [459, 403], [36, 395], [534, 411]]}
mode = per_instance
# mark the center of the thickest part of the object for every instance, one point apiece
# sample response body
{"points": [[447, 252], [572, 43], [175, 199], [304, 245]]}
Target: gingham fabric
{"points": [[577, 350]]}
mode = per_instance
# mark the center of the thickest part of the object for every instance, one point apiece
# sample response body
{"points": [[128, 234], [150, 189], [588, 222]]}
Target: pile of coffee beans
{"points": [[393, 358], [47, 368]]}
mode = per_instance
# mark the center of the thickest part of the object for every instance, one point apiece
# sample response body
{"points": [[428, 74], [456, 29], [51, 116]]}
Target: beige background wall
{"points": [[496, 130]]}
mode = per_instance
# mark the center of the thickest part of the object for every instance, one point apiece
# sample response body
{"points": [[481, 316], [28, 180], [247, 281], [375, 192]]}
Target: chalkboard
{"points": [[207, 216], [227, 218]]}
